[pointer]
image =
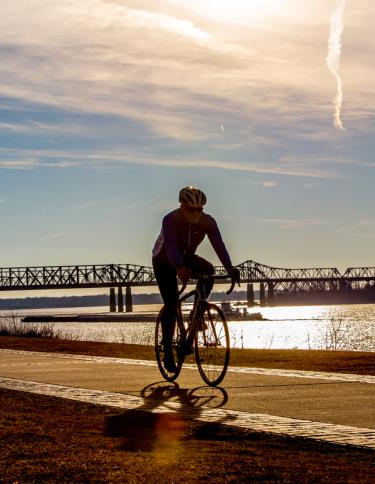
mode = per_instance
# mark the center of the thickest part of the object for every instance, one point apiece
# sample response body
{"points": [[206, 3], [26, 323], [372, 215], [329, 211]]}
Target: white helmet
{"points": [[192, 197]]}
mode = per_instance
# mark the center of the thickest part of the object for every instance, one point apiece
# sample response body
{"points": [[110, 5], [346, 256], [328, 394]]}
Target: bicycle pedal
{"points": [[187, 350]]}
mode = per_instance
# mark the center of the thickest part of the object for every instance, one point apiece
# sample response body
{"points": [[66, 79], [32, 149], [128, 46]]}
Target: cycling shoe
{"points": [[169, 363]]}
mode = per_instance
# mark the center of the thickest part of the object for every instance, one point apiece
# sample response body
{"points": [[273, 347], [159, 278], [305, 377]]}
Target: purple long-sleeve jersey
{"points": [[179, 239]]}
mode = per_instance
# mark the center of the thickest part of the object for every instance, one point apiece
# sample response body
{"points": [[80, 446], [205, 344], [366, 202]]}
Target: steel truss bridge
{"points": [[128, 275], [305, 279]]}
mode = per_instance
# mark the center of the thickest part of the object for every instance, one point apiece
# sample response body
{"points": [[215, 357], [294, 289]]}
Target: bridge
{"points": [[292, 281]]}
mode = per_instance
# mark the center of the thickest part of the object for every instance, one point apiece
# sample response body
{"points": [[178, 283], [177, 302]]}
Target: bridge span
{"points": [[275, 279]]}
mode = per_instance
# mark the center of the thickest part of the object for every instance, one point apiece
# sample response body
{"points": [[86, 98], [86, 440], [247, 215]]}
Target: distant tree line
{"points": [[93, 300]]}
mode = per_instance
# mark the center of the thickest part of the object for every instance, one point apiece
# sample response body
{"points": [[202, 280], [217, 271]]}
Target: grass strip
{"points": [[307, 360]]}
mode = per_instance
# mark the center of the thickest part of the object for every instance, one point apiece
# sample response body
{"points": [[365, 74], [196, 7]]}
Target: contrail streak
{"points": [[334, 54]]}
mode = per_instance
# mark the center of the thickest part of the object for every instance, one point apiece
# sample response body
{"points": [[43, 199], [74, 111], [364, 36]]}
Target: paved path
{"points": [[324, 406]]}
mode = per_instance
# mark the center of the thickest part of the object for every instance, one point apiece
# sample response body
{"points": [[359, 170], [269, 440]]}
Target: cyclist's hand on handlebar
{"points": [[183, 273], [235, 275]]}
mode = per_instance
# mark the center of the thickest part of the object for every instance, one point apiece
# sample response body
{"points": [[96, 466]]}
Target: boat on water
{"points": [[92, 318], [239, 314]]}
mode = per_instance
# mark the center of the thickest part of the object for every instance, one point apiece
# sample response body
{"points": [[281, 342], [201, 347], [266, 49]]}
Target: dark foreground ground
{"points": [[47, 439]]}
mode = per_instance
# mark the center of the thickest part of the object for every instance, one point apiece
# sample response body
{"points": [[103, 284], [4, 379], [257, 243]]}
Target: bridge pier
{"points": [[128, 300], [262, 294], [112, 300], [271, 293], [120, 300], [344, 285], [250, 295]]}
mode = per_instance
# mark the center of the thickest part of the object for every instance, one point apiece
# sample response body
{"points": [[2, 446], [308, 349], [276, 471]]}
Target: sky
{"points": [[109, 107]]}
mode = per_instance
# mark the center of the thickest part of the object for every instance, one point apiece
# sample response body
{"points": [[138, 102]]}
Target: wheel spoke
{"points": [[160, 350], [212, 346]]}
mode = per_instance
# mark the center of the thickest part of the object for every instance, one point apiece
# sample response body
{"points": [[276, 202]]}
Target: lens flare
{"points": [[334, 55]]}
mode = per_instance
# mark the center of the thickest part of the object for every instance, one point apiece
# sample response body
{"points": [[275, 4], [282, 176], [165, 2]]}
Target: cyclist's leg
{"points": [[198, 265], [166, 279]]}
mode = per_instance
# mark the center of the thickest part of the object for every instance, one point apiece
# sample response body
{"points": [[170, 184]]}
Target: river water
{"points": [[341, 327]]}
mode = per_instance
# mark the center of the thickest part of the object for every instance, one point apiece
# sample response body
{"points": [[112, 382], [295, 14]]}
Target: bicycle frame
{"points": [[200, 297], [193, 320]]}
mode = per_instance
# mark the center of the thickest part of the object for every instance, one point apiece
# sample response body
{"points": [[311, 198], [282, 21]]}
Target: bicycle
{"points": [[204, 332]]}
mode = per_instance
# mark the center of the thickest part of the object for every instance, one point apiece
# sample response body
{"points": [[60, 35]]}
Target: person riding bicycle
{"points": [[174, 257]]}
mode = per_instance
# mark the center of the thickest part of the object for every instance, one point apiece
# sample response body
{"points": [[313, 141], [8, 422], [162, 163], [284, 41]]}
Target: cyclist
{"points": [[174, 257]]}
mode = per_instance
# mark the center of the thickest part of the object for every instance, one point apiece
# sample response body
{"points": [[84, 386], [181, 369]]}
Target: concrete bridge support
{"points": [[128, 300], [262, 294], [112, 300], [120, 300], [271, 293], [344, 285], [250, 295]]}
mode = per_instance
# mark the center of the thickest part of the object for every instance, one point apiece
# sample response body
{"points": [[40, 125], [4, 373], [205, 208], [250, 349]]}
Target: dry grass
{"points": [[11, 325], [314, 360]]}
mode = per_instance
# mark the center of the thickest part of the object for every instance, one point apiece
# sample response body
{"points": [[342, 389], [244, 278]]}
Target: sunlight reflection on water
{"points": [[341, 327]]}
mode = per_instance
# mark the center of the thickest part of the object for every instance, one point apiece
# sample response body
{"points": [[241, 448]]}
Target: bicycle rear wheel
{"points": [[176, 348], [212, 345]]}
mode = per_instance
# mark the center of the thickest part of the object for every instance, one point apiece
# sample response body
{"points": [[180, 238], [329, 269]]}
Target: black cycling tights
{"points": [[166, 278]]}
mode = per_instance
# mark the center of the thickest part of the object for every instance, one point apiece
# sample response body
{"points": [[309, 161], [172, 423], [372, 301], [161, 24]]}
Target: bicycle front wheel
{"points": [[176, 349], [212, 345]]}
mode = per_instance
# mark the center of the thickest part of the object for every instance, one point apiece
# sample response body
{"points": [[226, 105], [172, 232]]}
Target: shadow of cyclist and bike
{"points": [[166, 416]]}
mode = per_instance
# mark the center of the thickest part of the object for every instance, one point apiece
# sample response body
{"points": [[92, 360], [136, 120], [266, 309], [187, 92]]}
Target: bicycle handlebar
{"points": [[231, 287], [206, 276]]}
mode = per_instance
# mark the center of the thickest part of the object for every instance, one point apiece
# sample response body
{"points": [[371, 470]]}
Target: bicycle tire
{"points": [[176, 349], [212, 397], [212, 350]]}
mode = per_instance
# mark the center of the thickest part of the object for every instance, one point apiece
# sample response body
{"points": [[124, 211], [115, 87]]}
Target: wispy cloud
{"points": [[35, 127], [172, 71], [292, 224], [15, 127], [20, 164], [328, 167], [31, 164], [176, 76], [95, 203]]}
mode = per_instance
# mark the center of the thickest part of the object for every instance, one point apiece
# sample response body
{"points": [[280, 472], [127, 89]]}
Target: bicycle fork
{"points": [[210, 338], [194, 320]]}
